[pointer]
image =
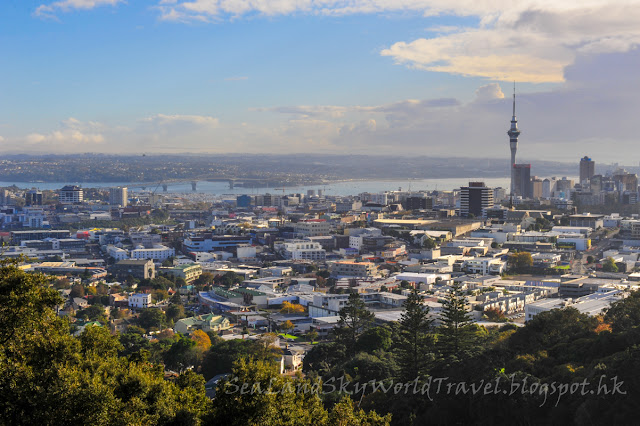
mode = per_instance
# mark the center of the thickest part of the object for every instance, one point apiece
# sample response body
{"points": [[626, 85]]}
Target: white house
{"points": [[140, 301]]}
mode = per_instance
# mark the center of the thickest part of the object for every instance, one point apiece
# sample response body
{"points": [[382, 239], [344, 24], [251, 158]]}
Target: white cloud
{"points": [[523, 40], [168, 120], [71, 132], [213, 10], [596, 105], [49, 10], [527, 41], [489, 92]]}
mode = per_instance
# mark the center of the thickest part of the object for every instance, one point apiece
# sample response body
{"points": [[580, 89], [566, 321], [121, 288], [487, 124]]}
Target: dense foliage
{"points": [[560, 348], [49, 377]]}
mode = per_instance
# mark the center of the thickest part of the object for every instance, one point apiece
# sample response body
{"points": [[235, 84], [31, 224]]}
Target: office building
{"points": [[418, 203], [587, 169], [205, 242], [522, 180], [243, 201], [536, 188], [33, 198], [118, 197], [474, 198], [71, 194]]}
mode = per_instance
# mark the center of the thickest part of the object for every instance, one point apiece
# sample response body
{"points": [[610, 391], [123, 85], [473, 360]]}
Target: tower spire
{"points": [[513, 133], [514, 98]]}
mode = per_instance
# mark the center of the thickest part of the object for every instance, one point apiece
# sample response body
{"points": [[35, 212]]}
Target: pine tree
{"points": [[415, 326], [456, 329], [355, 318]]}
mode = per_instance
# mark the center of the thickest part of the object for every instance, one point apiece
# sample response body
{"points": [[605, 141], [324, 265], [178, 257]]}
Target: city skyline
{"points": [[328, 77]]}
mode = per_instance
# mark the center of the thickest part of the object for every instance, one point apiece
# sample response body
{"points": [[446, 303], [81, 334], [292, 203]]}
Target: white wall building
{"points": [[303, 250], [591, 305], [312, 228], [157, 253], [140, 301], [245, 252], [117, 253]]}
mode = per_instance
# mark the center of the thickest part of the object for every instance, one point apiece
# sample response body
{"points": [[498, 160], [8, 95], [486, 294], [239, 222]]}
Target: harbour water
{"points": [[351, 187]]}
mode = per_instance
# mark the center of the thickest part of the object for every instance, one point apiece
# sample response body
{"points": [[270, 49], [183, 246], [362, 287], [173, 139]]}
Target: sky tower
{"points": [[513, 142]]}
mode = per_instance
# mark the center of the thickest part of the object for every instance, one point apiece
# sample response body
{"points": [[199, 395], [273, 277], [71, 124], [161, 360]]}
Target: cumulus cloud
{"points": [[527, 41], [489, 92], [194, 120], [594, 108], [49, 10], [522, 40], [71, 132]]}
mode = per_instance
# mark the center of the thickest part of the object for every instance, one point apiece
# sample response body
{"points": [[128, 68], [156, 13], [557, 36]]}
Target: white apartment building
{"points": [[140, 301], [312, 228], [157, 253], [117, 253], [357, 235], [353, 269], [118, 196], [303, 250], [484, 266], [71, 194]]}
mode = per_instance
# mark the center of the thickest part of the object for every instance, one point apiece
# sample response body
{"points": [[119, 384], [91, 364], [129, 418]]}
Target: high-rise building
{"points": [[118, 196], [33, 198], [547, 187], [522, 180], [71, 194], [418, 203], [513, 133], [243, 201], [536, 188], [587, 169], [474, 198]]}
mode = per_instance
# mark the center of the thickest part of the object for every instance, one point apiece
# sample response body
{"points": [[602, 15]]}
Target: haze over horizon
{"points": [[413, 77]]}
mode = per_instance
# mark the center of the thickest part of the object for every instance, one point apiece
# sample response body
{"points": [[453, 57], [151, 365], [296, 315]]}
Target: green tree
{"points": [[520, 261], [355, 319], [204, 279], [161, 283], [609, 265], [182, 355], [92, 313], [456, 330], [100, 342], [77, 290], [312, 335], [275, 403], [49, 377], [373, 339], [429, 243], [152, 318], [344, 413], [133, 341], [494, 314], [415, 327], [175, 312], [287, 326], [223, 353], [625, 314]]}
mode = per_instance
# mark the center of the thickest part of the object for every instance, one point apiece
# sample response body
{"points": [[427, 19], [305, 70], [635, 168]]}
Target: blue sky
{"points": [[335, 76]]}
